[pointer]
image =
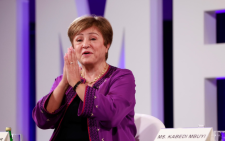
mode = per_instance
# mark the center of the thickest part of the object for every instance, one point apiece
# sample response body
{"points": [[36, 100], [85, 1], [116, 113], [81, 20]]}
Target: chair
{"points": [[147, 127]]}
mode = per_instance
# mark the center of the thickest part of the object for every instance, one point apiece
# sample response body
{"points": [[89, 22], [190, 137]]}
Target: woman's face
{"points": [[89, 46]]}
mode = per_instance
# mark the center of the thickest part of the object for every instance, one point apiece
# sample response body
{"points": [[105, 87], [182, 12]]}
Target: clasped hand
{"points": [[71, 70]]}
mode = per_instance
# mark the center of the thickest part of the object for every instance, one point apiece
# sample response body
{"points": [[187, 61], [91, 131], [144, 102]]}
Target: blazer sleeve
{"points": [[41, 116], [111, 108]]}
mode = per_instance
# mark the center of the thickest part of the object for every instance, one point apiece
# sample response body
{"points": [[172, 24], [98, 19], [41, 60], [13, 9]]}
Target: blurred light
{"points": [[220, 11]]}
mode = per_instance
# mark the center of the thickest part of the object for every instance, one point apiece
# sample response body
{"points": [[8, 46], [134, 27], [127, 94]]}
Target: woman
{"points": [[92, 103]]}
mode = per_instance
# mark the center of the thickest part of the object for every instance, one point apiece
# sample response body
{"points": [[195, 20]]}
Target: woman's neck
{"points": [[91, 72]]}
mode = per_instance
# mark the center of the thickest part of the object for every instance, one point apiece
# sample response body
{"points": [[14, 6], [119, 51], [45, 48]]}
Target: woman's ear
{"points": [[107, 48]]}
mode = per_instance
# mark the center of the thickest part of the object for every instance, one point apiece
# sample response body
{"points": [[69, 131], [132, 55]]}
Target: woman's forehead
{"points": [[90, 30]]}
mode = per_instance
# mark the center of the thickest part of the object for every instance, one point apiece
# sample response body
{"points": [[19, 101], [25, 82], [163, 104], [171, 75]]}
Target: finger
{"points": [[66, 60], [70, 55], [74, 56], [76, 64]]}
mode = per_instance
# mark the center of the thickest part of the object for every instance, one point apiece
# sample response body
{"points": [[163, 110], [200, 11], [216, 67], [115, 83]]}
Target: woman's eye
{"points": [[79, 40], [93, 39]]}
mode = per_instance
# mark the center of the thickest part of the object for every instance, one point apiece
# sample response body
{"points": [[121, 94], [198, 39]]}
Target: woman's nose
{"points": [[86, 43]]}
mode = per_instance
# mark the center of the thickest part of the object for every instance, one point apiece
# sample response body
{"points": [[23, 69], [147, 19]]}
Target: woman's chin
{"points": [[87, 62]]}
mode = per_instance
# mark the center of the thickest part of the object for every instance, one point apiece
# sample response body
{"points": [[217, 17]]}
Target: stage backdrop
{"points": [[198, 62], [14, 59], [137, 45], [8, 64]]}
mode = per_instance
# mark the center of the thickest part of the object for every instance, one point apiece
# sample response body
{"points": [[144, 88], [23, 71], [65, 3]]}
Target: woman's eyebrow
{"points": [[93, 33], [88, 33], [79, 34]]}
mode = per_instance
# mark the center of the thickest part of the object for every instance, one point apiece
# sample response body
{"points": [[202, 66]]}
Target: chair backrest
{"points": [[147, 127]]}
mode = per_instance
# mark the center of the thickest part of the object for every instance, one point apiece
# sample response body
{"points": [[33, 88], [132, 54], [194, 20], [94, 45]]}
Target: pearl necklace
{"points": [[105, 69]]}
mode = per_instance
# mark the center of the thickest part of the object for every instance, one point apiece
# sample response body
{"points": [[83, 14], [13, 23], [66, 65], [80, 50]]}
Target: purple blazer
{"points": [[108, 107]]}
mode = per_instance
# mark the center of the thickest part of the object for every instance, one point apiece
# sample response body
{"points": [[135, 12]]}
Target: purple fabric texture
{"points": [[108, 106]]}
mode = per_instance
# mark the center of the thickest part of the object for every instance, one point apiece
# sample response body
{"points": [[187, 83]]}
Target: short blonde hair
{"points": [[85, 22]]}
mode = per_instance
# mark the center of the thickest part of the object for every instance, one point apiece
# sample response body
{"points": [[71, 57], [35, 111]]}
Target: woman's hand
{"points": [[64, 79], [72, 67]]}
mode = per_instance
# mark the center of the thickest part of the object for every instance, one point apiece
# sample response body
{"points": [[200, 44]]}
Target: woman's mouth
{"points": [[86, 53]]}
